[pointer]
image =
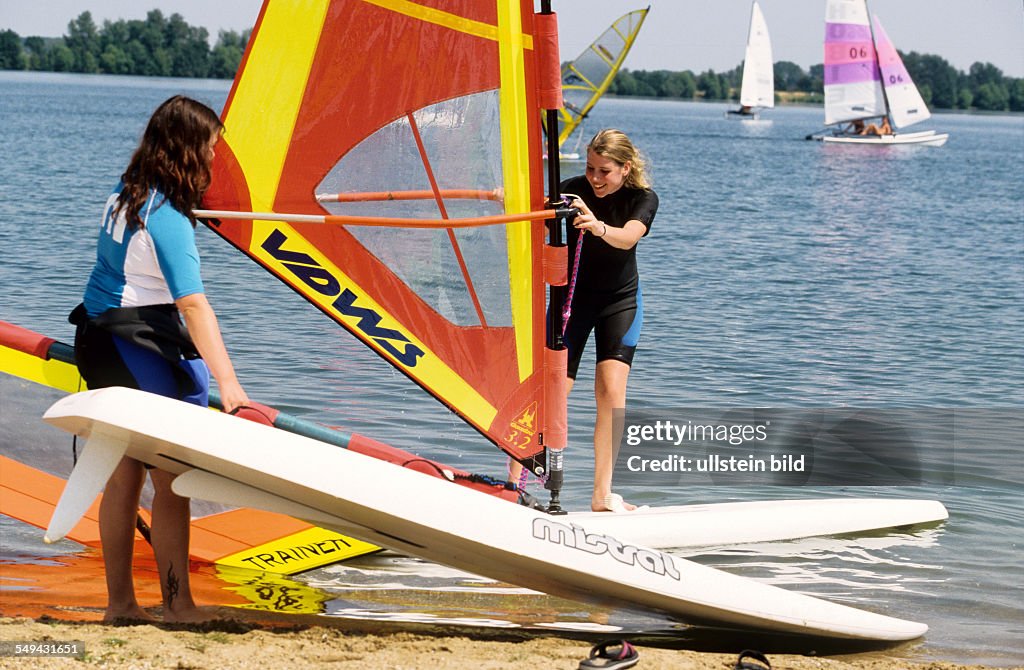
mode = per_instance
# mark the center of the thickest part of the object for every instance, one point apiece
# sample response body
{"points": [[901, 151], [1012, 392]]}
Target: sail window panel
{"points": [[585, 78], [441, 161], [588, 72]]}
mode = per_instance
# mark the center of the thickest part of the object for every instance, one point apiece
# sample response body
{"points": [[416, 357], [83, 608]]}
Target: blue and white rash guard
{"points": [[152, 265]]}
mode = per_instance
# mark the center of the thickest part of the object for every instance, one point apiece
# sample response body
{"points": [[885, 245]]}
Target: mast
{"points": [[556, 293], [878, 66], [750, 28], [747, 51]]}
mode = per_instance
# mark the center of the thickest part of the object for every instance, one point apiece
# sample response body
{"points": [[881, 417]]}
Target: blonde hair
{"points": [[615, 145]]}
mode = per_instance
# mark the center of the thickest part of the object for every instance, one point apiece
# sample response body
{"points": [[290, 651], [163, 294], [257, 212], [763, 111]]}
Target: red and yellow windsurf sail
{"points": [[414, 112]]}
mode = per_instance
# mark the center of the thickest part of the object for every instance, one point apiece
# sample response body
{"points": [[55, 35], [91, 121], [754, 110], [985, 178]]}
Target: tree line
{"points": [[941, 85], [170, 47], [157, 46]]}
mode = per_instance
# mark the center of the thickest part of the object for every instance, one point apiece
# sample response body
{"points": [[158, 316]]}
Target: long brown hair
{"points": [[615, 145], [171, 158]]}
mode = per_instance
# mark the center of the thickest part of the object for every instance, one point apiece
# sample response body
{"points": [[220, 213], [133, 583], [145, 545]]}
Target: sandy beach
{"points": [[254, 643], [61, 601]]}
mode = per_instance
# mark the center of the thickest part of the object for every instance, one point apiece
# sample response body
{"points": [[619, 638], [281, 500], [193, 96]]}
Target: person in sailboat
{"points": [[858, 127], [129, 333], [617, 208]]}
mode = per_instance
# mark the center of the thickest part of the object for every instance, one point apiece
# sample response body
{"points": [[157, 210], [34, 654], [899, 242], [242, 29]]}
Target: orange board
{"points": [[242, 538]]}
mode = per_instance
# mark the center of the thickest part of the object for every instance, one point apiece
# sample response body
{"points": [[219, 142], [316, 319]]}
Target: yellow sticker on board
{"points": [[305, 550]]}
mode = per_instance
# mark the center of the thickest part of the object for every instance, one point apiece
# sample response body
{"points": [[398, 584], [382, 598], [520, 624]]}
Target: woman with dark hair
{"points": [[130, 333]]}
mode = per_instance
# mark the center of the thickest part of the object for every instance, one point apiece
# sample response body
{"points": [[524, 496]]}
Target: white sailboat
{"points": [[757, 89], [869, 94]]}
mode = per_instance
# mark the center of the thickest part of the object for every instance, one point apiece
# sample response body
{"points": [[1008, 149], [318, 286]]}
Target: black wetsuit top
{"points": [[607, 296], [604, 268]]}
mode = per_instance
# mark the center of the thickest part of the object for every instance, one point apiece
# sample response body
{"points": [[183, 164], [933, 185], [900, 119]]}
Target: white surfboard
{"points": [[718, 524], [674, 527], [427, 517]]}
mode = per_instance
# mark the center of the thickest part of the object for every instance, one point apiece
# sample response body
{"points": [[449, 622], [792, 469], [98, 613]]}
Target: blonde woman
{"points": [[617, 207]]}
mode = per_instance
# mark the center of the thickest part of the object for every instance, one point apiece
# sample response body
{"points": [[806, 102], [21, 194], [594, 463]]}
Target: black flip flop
{"points": [[611, 655], [758, 661]]}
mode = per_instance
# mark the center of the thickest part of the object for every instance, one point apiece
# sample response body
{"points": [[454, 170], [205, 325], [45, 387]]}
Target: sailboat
{"points": [[586, 78], [757, 89], [866, 81]]}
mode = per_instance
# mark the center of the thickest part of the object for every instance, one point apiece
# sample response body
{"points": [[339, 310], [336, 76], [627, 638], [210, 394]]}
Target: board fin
{"points": [[98, 461]]}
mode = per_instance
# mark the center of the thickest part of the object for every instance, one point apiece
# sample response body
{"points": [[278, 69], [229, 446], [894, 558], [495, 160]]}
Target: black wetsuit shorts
{"points": [[615, 322]]}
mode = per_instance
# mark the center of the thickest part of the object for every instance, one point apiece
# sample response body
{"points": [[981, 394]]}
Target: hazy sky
{"points": [[679, 34]]}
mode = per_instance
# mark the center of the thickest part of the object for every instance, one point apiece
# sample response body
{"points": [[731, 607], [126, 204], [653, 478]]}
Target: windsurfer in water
{"points": [[130, 333], [617, 207]]}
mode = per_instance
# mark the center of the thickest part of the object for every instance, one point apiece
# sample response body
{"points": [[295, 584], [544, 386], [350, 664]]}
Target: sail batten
{"points": [[463, 194], [259, 141]]}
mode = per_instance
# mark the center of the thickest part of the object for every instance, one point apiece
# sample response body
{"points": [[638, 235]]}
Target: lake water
{"points": [[779, 273]]}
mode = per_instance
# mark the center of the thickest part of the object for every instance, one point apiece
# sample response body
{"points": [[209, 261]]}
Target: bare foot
{"points": [[128, 615], [191, 614], [612, 502]]}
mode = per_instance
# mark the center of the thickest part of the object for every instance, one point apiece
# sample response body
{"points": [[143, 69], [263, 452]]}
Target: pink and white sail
{"points": [[852, 86], [906, 106]]}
